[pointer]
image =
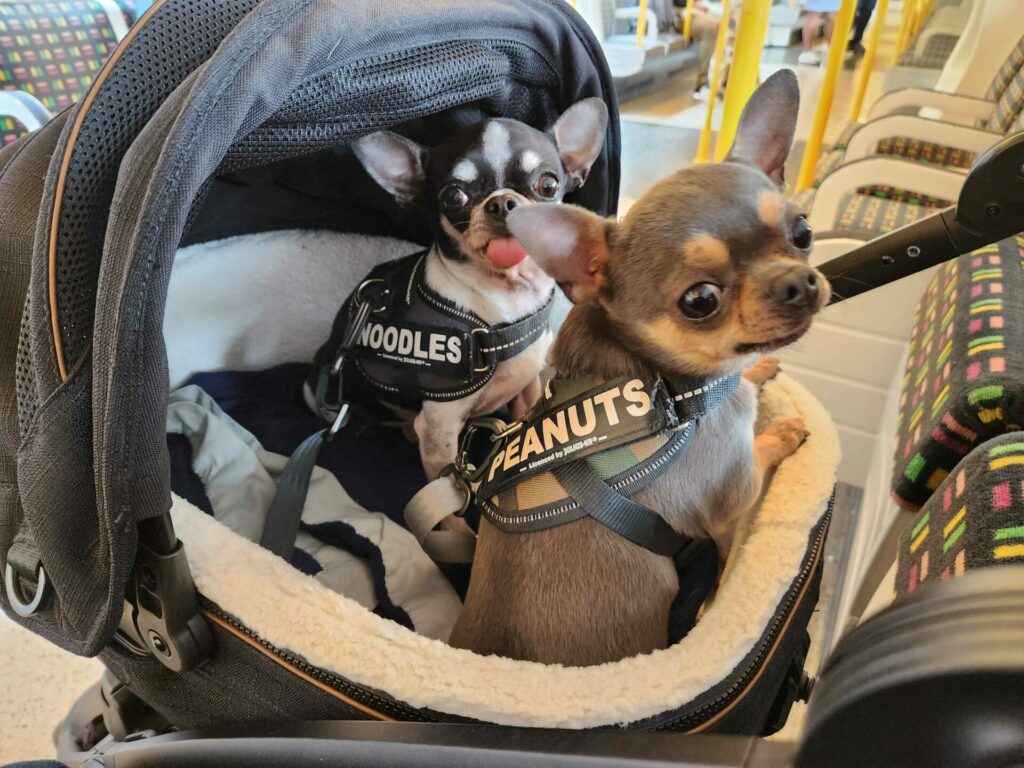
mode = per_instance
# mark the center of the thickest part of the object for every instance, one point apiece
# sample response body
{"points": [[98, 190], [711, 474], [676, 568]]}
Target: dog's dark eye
{"points": [[546, 185], [452, 196], [700, 301], [802, 234]]}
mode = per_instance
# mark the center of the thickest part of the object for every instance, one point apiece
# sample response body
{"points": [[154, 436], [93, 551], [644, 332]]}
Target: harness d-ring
{"points": [[19, 604], [383, 294], [483, 333]]}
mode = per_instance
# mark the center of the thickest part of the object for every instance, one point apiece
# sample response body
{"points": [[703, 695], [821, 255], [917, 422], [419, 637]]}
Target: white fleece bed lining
{"points": [[293, 611]]}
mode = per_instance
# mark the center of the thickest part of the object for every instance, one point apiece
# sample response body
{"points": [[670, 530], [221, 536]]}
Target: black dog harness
{"points": [[405, 343], [402, 343], [584, 453]]}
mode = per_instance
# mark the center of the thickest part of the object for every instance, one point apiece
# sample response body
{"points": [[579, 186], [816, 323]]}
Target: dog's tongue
{"points": [[505, 252]]}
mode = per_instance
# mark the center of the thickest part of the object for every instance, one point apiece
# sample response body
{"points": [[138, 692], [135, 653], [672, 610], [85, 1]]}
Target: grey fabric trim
{"points": [[432, 504]]}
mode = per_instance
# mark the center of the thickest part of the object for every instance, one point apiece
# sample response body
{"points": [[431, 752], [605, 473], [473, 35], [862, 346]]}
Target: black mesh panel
{"points": [[370, 94], [24, 381], [160, 57]]}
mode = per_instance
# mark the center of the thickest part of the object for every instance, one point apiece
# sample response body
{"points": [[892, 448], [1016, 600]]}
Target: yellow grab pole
{"points": [[704, 146], [836, 51], [688, 19], [572, 3], [868, 64], [641, 24], [743, 74]]}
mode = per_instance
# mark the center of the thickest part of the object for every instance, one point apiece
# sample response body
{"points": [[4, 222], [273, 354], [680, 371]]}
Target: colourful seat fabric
{"points": [[10, 130], [903, 148], [876, 209], [964, 378], [975, 518], [53, 50], [862, 214]]}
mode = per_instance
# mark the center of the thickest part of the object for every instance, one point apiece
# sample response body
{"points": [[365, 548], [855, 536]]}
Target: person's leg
{"points": [[704, 29], [860, 22], [830, 25], [812, 21]]}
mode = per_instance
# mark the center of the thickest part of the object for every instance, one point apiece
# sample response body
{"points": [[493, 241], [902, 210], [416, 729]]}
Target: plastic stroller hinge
{"points": [[165, 611]]}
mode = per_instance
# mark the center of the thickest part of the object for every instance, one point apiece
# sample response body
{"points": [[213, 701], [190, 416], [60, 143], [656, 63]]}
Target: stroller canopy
{"points": [[216, 118]]}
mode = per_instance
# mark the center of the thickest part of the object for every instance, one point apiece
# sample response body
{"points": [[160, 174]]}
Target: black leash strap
{"points": [[281, 527]]}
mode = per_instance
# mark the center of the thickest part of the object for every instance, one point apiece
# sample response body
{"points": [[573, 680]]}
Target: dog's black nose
{"points": [[500, 206], [798, 287]]}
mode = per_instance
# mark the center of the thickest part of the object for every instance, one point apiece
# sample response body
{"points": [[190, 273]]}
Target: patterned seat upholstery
{"points": [[11, 128], [934, 56], [861, 214], [1006, 72], [904, 148], [974, 520], [876, 209], [959, 455], [1007, 93], [52, 49], [964, 378]]}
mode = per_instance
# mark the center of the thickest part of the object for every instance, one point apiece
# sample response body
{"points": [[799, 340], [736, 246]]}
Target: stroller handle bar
{"points": [[990, 208]]}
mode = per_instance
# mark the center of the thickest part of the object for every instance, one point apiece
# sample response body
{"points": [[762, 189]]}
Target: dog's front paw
{"points": [[764, 370], [779, 441]]}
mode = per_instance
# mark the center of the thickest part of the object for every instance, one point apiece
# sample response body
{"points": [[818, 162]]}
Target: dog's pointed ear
{"points": [[579, 135], [767, 126], [569, 243], [394, 162]]}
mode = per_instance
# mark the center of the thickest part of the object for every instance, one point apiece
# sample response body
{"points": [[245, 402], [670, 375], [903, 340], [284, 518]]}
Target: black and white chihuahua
{"points": [[472, 183]]}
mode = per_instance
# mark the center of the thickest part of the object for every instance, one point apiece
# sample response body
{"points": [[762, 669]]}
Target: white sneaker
{"points": [[809, 57], [702, 93]]}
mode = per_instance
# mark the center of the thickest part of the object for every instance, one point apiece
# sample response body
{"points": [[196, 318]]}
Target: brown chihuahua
{"points": [[708, 269]]}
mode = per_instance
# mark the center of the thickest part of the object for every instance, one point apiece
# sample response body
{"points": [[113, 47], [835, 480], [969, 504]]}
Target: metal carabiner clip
{"points": [[339, 421], [498, 429]]}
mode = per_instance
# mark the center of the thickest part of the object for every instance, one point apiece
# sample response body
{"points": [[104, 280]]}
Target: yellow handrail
{"points": [[572, 3], [836, 51], [641, 24], [717, 73], [688, 19], [743, 74], [868, 64]]}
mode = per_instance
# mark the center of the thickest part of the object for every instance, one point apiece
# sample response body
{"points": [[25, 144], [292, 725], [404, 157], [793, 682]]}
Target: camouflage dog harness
{"points": [[583, 452]]}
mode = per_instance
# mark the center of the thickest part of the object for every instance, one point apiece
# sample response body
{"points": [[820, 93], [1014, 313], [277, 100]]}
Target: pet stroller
{"points": [[217, 119]]}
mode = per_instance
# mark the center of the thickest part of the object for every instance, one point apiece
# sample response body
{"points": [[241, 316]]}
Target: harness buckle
{"points": [[481, 353]]}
